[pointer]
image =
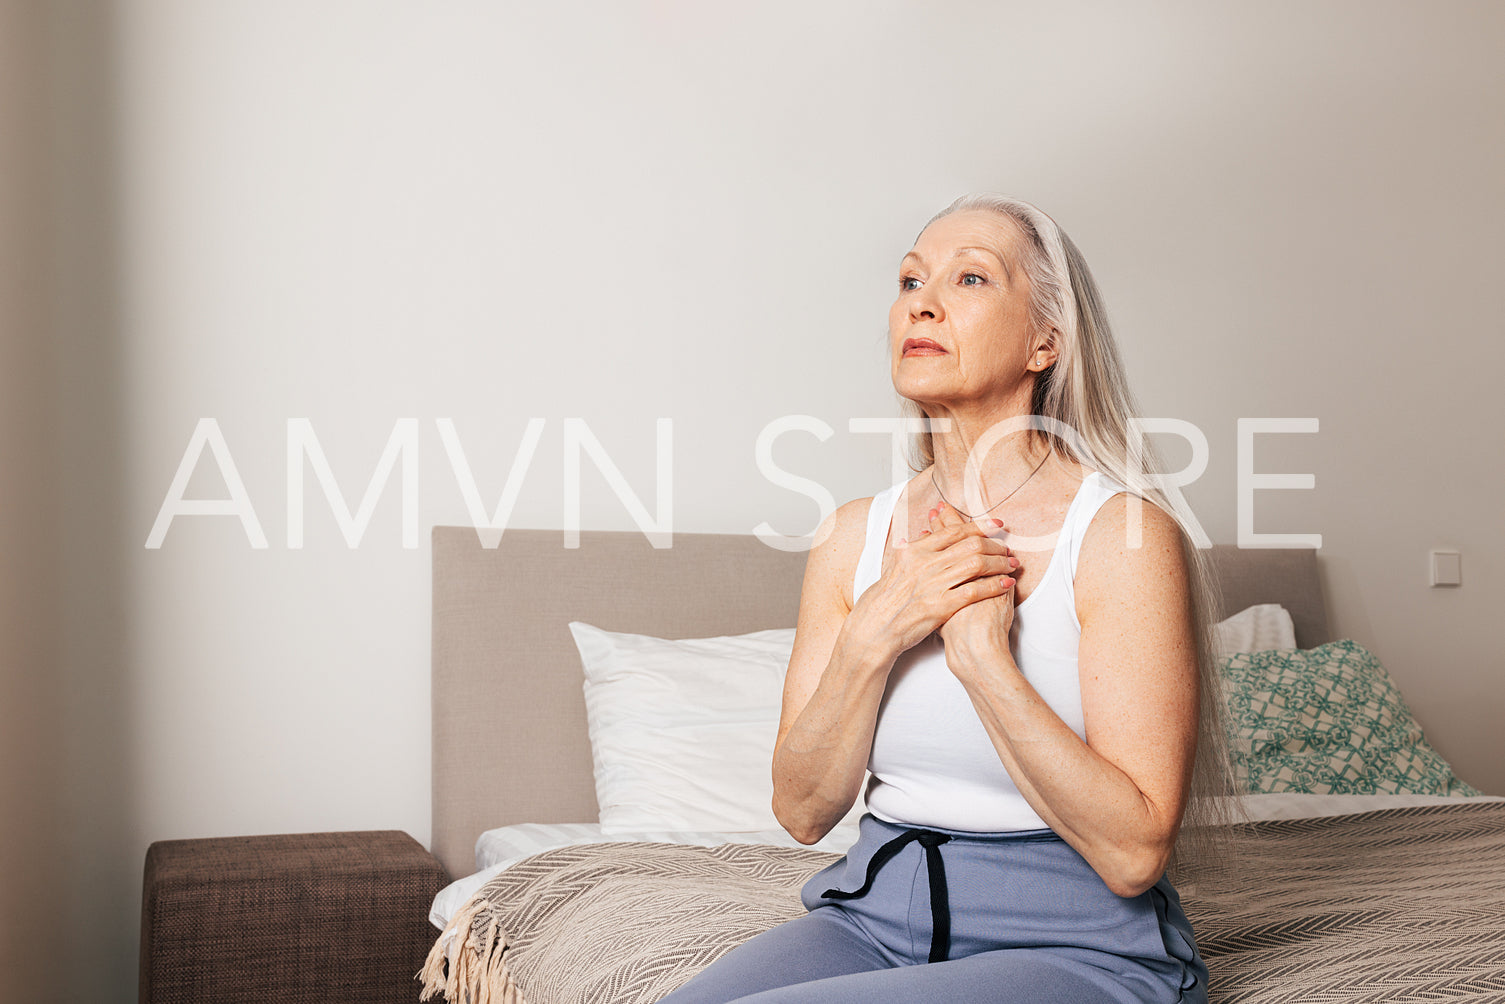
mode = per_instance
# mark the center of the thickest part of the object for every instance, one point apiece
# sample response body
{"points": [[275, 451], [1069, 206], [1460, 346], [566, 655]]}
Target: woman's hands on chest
{"points": [[980, 628], [925, 583]]}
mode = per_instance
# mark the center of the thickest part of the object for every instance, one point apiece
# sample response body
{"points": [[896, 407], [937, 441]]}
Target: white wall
{"points": [[356, 213]]}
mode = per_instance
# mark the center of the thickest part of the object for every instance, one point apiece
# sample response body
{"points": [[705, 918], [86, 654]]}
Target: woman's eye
{"points": [[905, 281]]}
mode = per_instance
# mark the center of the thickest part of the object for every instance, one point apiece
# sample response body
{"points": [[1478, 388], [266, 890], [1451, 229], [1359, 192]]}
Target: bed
{"points": [[1382, 886]]}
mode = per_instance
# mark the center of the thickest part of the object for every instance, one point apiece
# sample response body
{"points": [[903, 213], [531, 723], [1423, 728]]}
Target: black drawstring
{"points": [[940, 908]]}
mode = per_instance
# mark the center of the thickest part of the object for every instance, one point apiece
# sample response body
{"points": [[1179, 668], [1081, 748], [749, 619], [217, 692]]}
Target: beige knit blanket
{"points": [[1399, 905]]}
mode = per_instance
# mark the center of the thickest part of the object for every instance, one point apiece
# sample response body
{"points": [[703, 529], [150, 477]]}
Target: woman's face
{"points": [[959, 332]]}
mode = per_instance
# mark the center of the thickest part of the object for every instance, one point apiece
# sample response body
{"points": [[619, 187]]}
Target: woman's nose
{"points": [[924, 304], [920, 309]]}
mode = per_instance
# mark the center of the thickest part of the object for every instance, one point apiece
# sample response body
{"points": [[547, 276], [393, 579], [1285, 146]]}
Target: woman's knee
{"points": [[816, 946], [1009, 975]]}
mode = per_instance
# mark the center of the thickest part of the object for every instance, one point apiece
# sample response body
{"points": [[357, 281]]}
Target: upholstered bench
{"points": [[338, 917]]}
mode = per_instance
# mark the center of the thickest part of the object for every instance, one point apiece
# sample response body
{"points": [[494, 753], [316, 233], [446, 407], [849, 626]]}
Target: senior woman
{"points": [[1016, 643]]}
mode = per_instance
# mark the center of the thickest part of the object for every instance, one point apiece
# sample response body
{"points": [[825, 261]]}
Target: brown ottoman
{"points": [[292, 917]]}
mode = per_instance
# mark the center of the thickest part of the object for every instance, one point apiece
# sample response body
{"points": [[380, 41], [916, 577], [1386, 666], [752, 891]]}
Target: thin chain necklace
{"points": [[995, 505]]}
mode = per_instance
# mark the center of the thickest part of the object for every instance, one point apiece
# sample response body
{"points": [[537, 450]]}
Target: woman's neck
{"points": [[1006, 456]]}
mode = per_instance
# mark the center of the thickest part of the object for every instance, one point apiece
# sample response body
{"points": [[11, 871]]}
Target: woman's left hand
{"points": [[981, 627]]}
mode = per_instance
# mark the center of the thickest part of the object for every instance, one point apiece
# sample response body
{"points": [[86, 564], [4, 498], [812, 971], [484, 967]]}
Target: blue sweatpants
{"points": [[1029, 921]]}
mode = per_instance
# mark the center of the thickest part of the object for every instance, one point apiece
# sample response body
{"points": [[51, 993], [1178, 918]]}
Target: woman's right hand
{"points": [[926, 580]]}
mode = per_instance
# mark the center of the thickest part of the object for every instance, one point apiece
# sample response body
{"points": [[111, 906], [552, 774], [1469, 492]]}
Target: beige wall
{"points": [[72, 849], [31, 781], [361, 213]]}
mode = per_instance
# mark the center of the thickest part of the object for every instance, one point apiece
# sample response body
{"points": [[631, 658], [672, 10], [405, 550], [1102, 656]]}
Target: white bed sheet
{"points": [[499, 849]]}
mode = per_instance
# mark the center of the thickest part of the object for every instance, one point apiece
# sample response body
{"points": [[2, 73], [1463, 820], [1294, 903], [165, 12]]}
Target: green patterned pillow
{"points": [[1327, 720]]}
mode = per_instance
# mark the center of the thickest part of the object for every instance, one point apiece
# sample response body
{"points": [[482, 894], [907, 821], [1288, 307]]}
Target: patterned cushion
{"points": [[1328, 720]]}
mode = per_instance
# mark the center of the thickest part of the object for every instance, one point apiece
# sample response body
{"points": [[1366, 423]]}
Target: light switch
{"points": [[1447, 568]]}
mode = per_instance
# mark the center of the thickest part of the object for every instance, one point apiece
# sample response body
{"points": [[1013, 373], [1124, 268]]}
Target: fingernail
{"points": [[997, 521]]}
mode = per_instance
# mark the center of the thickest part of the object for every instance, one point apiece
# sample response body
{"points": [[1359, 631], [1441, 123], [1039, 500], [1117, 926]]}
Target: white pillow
{"points": [[682, 731], [1255, 629]]}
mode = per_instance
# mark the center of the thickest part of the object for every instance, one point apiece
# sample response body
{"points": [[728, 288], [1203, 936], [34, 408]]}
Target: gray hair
{"points": [[1086, 391]]}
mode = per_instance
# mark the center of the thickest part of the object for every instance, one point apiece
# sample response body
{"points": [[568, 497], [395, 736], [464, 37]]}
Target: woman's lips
{"points": [[922, 347]]}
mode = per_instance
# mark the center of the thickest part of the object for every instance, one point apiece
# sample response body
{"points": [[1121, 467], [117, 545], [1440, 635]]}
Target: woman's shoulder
{"points": [[842, 536], [837, 548], [1115, 515], [1124, 545]]}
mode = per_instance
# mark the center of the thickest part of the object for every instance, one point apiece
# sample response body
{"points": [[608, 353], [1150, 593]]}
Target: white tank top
{"points": [[932, 762]]}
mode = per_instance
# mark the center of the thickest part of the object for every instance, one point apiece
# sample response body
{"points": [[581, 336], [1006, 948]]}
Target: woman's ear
{"points": [[1046, 353]]}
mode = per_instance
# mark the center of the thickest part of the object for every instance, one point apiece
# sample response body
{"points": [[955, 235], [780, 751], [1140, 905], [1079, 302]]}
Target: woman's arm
{"points": [[843, 653], [1118, 798], [831, 691]]}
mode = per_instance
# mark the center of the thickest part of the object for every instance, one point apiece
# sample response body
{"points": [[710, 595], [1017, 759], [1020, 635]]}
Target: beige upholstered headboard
{"points": [[509, 734]]}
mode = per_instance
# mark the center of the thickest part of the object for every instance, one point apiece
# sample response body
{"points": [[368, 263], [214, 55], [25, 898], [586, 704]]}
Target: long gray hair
{"points": [[1086, 391]]}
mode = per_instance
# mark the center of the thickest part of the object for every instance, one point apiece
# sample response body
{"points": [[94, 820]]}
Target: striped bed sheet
{"points": [[1394, 904]]}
